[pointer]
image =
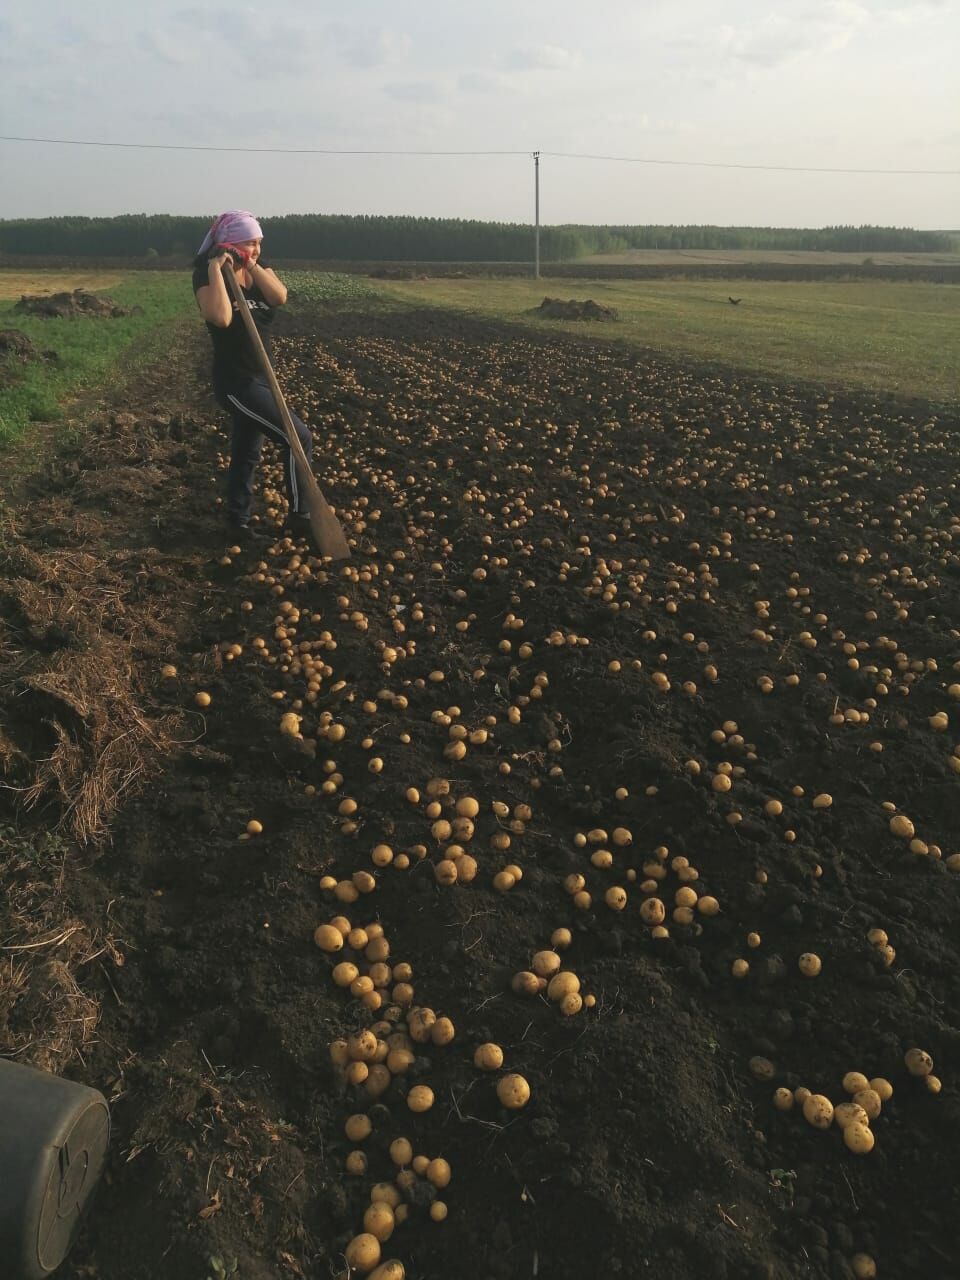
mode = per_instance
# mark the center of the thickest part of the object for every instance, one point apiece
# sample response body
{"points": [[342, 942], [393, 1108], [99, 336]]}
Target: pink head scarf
{"points": [[231, 227]]}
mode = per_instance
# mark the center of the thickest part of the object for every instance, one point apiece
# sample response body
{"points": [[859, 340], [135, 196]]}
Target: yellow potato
{"points": [[918, 1062], [328, 938], [420, 1098], [818, 1111], [513, 1092], [488, 1057], [363, 1252], [392, 1269], [859, 1138], [378, 1220], [810, 964]]}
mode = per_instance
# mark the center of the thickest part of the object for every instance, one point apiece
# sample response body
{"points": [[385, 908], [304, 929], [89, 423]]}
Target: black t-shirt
{"points": [[234, 358]]}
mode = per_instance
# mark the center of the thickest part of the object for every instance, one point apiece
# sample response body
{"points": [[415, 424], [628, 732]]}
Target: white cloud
{"points": [[367, 47], [542, 57], [479, 82], [780, 38], [417, 91]]}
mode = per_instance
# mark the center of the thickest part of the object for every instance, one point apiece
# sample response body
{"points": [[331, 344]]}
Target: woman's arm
{"points": [[212, 299], [270, 285]]}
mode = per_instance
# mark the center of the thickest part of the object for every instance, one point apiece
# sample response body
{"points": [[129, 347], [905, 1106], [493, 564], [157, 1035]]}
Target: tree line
{"points": [[361, 238]]}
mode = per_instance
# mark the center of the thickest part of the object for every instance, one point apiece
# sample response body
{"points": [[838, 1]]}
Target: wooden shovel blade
{"points": [[326, 528]]}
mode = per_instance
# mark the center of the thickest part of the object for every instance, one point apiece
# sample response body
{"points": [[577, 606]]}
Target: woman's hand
{"points": [[220, 260], [222, 255]]}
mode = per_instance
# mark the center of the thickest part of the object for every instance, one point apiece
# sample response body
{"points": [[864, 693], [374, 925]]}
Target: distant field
{"points": [[884, 336], [13, 284], [809, 257]]}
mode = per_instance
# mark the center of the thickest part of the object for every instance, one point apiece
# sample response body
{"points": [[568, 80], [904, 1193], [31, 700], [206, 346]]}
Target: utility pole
{"points": [[536, 199]]}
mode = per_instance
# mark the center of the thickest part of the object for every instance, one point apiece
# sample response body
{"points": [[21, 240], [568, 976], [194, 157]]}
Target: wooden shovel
{"points": [[327, 530]]}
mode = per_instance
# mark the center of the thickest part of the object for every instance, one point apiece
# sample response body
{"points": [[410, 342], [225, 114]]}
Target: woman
{"points": [[238, 382]]}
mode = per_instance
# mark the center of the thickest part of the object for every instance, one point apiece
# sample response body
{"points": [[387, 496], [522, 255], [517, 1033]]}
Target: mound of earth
{"points": [[17, 349], [70, 305], [574, 309], [393, 273]]}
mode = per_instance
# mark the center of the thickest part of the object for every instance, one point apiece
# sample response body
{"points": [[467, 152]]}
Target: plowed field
{"points": [[689, 641]]}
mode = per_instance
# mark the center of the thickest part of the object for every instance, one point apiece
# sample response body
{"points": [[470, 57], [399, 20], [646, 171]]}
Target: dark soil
{"points": [[530, 490], [574, 309], [69, 305]]}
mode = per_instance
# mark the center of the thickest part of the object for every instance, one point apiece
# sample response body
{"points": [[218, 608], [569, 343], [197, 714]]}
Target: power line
{"points": [[278, 151], [558, 155], [716, 164]]}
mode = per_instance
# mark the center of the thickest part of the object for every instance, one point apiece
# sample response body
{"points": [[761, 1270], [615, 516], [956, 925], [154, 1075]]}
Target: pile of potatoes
{"points": [[862, 1105], [547, 976]]}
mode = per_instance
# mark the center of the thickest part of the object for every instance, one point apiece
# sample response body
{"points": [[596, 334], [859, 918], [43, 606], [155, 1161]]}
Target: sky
{"points": [[845, 84]]}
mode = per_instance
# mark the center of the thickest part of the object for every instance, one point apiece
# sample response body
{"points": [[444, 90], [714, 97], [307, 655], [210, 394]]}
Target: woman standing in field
{"points": [[238, 382]]}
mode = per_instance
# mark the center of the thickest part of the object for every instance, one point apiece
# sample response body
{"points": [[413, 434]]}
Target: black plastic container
{"points": [[53, 1146]]}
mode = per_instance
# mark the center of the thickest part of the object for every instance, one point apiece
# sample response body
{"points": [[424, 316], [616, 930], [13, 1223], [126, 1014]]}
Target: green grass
{"points": [[880, 335], [326, 287], [89, 349]]}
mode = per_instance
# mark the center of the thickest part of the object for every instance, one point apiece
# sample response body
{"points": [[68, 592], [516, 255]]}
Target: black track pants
{"points": [[255, 415]]}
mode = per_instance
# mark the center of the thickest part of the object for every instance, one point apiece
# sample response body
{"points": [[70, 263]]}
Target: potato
{"points": [[356, 1073], [513, 1092], [362, 1046], [761, 1068], [783, 1100], [363, 1252], [390, 1270], [439, 1173], [358, 1127], [810, 964], [863, 1266], [545, 964], [328, 938], [401, 1151], [442, 1031], [849, 1113], [378, 1080], [438, 1211], [882, 1088], [345, 973], [525, 983], [386, 1193], [379, 1221], [652, 911], [918, 1062], [420, 1098], [488, 1057], [854, 1081], [870, 1101], [858, 1138], [562, 984], [818, 1111]]}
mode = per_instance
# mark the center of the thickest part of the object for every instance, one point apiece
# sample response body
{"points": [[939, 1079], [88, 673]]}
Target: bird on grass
{"points": [[736, 301]]}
